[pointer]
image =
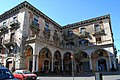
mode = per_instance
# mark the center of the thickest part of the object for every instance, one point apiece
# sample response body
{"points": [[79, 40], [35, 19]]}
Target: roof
{"points": [[87, 22], [29, 6]]}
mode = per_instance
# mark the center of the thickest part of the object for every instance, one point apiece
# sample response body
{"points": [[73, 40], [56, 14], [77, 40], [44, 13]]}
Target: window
{"points": [[70, 33], [12, 36], [97, 28], [4, 23], [35, 21], [46, 26], [14, 19], [98, 39], [1, 39], [83, 42], [82, 30]]}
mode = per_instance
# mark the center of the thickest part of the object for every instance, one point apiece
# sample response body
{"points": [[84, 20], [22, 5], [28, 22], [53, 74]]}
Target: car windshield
{"points": [[26, 72], [5, 74]]}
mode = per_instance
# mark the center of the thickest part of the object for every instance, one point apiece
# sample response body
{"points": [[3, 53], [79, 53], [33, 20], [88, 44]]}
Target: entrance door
{"points": [[86, 66], [102, 65], [30, 65], [9, 65], [46, 66]]}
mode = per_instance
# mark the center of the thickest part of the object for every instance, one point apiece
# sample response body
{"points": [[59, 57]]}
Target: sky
{"points": [[70, 11]]}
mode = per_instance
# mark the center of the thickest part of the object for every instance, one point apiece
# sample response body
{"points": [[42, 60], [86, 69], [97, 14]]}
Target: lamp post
{"points": [[72, 59]]}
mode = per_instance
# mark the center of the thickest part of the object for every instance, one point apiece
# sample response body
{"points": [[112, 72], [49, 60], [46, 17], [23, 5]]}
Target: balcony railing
{"points": [[15, 24], [43, 40], [3, 29], [84, 35], [101, 32], [35, 27]]}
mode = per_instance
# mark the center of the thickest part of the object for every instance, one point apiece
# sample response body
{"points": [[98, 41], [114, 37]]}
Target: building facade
{"points": [[30, 39]]}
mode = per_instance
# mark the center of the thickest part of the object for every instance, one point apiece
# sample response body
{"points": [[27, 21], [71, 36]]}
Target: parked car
{"points": [[5, 74], [24, 75]]}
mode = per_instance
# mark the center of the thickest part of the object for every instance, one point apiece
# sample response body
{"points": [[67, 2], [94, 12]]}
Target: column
{"points": [[110, 62], [36, 62], [33, 67], [62, 64], [114, 62], [52, 64], [90, 63]]}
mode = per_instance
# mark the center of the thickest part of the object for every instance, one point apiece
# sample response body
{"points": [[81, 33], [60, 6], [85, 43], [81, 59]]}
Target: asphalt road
{"points": [[105, 76]]}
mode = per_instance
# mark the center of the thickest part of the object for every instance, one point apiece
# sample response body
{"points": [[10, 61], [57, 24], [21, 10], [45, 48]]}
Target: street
{"points": [[105, 76]]}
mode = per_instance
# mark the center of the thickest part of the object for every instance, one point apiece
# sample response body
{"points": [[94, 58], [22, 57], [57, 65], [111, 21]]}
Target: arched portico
{"points": [[67, 63], [99, 60], [57, 62], [28, 57], [45, 60], [82, 62]]}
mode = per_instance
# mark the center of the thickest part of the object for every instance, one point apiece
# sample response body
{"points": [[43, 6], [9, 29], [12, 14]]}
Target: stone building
{"points": [[29, 39]]}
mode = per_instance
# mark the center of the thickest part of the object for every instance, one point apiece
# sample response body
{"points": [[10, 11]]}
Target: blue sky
{"points": [[70, 11]]}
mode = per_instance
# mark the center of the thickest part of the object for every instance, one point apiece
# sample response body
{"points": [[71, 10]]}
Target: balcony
{"points": [[35, 27], [84, 35], [101, 32], [42, 40], [9, 42], [3, 29], [46, 33], [1, 46], [14, 24]]}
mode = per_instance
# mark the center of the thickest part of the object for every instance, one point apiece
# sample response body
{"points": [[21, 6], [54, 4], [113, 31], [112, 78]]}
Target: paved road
{"points": [[105, 76], [111, 77]]}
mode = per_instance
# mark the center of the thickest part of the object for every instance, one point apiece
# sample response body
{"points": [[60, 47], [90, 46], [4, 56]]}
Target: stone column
{"points": [[114, 62], [110, 62], [90, 63], [52, 64], [34, 64], [62, 64]]}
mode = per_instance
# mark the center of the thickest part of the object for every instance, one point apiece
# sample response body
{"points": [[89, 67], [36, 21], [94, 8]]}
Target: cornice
{"points": [[32, 8], [86, 22]]}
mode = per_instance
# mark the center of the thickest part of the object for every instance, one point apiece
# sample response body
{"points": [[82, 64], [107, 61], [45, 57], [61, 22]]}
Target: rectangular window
{"points": [[14, 19], [70, 33], [35, 21], [82, 30], [46, 26], [1, 39], [97, 28], [12, 37], [4, 23], [98, 39]]}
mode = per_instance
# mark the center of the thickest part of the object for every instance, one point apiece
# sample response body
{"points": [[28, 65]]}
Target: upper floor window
{"points": [[46, 26], [1, 39], [82, 30], [97, 28], [98, 39], [70, 33], [4, 23], [15, 19], [83, 42], [35, 21]]}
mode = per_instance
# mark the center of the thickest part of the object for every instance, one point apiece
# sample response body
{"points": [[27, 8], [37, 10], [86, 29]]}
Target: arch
{"points": [[67, 63], [28, 57], [57, 62], [99, 53], [99, 60], [83, 62], [9, 62], [44, 55]]}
